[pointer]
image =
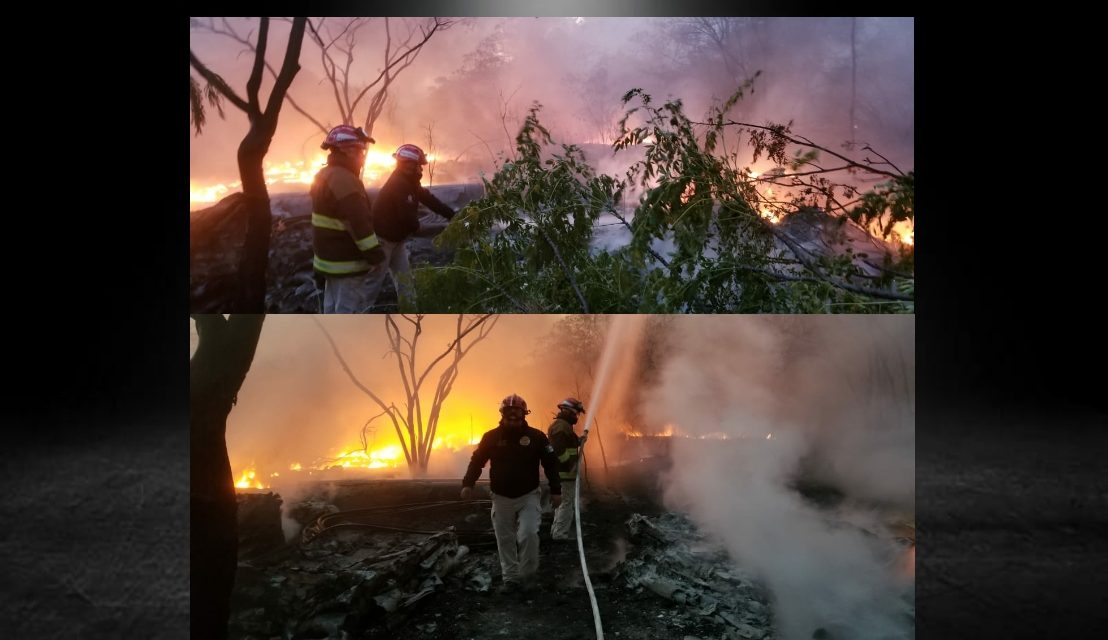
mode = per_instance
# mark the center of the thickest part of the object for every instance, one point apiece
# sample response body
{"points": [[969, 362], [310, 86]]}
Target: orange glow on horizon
{"points": [[296, 173], [460, 427]]}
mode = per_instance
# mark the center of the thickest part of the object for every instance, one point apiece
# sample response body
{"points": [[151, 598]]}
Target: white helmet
{"points": [[573, 404]]}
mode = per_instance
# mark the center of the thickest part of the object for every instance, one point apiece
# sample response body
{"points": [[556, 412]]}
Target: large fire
{"points": [[456, 435], [295, 173]]}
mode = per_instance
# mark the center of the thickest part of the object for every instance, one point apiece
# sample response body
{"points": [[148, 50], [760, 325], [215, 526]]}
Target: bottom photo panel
{"points": [[552, 476]]}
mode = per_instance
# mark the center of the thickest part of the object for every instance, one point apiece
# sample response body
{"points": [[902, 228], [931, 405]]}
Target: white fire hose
{"points": [[581, 544]]}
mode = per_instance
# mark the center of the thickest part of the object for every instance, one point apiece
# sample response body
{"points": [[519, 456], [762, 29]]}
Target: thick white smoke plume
{"points": [[818, 399]]}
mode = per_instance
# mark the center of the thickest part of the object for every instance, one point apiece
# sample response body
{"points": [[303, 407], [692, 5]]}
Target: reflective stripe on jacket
{"points": [[342, 225], [566, 443]]}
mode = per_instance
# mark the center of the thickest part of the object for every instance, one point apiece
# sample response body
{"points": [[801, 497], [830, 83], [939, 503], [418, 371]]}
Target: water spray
{"points": [[620, 328]]}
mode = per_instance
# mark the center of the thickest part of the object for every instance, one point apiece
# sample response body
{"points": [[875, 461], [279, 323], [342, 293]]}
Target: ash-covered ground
{"points": [[408, 559]]}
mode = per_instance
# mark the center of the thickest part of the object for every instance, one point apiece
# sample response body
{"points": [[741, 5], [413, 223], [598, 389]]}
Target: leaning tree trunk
{"points": [[255, 254], [216, 373]]}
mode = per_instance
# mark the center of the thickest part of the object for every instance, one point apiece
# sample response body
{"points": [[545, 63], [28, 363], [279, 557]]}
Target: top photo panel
{"points": [[552, 165]]}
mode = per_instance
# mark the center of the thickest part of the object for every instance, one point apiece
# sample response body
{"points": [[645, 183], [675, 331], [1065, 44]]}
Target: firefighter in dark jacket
{"points": [[396, 218], [567, 446], [516, 451], [345, 245]]}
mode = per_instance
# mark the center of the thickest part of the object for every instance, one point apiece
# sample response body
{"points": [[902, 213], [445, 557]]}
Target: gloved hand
{"points": [[582, 439], [467, 493], [376, 255], [555, 499]]}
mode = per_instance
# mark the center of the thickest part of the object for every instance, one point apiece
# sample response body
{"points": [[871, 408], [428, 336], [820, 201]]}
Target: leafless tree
{"points": [[252, 150], [738, 47], [509, 118], [600, 105], [337, 40], [415, 430], [431, 152]]}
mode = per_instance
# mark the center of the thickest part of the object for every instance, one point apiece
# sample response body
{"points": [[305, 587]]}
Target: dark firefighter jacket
{"points": [[566, 443], [342, 227], [395, 210], [515, 455]]}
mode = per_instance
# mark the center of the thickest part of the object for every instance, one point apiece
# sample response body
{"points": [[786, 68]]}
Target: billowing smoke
{"points": [[471, 86], [781, 412], [816, 399]]}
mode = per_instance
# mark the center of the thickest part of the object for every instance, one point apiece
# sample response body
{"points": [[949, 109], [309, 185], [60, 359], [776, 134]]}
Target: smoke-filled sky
{"points": [[473, 83]]}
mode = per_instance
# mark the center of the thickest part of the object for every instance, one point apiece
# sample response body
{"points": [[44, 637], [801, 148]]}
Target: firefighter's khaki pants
{"points": [[346, 294], [516, 523], [395, 264], [563, 515]]}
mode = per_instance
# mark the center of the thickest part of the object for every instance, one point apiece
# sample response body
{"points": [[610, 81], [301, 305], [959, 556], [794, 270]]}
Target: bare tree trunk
{"points": [[216, 373], [255, 254]]}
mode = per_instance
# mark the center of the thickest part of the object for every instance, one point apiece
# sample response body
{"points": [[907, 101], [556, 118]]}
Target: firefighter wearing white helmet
{"points": [[567, 446], [515, 450], [343, 239], [396, 218]]}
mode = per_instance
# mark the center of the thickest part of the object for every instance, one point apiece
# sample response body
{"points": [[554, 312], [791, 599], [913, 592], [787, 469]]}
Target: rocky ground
{"points": [[217, 234]]}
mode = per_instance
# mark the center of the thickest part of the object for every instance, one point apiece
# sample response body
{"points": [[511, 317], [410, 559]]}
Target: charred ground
{"points": [[359, 576]]}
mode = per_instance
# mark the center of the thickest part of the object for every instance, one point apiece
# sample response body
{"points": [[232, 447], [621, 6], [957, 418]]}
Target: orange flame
{"points": [[769, 215], [907, 236], [383, 457], [288, 172], [249, 480]]}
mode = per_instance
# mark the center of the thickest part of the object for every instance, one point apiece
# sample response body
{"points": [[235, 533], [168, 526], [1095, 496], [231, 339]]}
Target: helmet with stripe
{"points": [[411, 153], [345, 135]]}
